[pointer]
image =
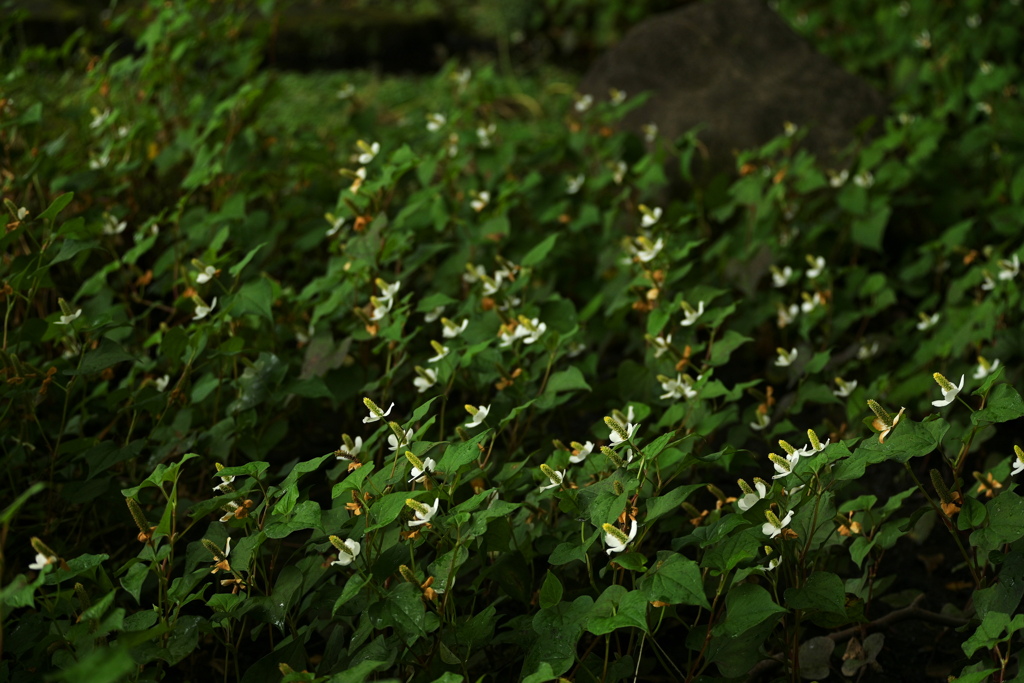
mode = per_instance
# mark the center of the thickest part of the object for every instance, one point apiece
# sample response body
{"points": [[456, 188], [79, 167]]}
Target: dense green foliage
{"points": [[217, 279]]}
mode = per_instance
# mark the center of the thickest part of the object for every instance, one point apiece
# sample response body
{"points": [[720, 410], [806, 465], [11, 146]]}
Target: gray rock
{"points": [[737, 68]]}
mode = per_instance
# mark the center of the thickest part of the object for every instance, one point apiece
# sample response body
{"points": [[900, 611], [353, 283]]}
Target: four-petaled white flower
{"points": [[480, 200], [677, 388], [619, 172], [206, 274], [845, 388], [22, 213], [785, 358], [373, 416], [532, 331], [927, 321], [629, 429], [774, 526], [837, 180], [574, 184], [367, 152], [426, 379], [985, 368], [650, 131], [865, 351], [1009, 269], [162, 382], [440, 352], [648, 251], [485, 133], [418, 475], [864, 179], [111, 226], [451, 330], [42, 561], [817, 266], [393, 442], [650, 216], [556, 478], [661, 344], [580, 454], [1018, 464], [348, 451], [949, 391], [346, 91], [761, 421], [750, 499], [616, 96], [202, 310], [435, 122], [357, 179], [617, 542], [811, 302], [478, 413], [432, 315], [787, 315], [583, 103], [424, 513], [781, 277], [336, 224], [690, 315], [346, 558], [69, 318]]}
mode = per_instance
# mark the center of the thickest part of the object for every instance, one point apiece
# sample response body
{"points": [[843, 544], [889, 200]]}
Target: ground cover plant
{"points": [[346, 377]]}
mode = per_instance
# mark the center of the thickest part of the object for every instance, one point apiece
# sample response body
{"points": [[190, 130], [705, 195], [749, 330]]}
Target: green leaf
{"points": [[990, 632], [570, 379], [1005, 515], [11, 510], [56, 206], [674, 579], [735, 548], [822, 591], [387, 508], [670, 502], [1004, 404], [108, 353], [558, 629], [460, 454], [746, 606], [238, 267], [537, 254], [550, 591], [723, 348], [290, 484], [908, 440], [256, 298], [353, 586], [618, 608]]}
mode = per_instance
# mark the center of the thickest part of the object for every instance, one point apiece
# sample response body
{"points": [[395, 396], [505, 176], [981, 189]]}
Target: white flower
{"points": [[451, 330], [100, 162], [677, 388], [435, 122], [1018, 464], [556, 478], [162, 382], [811, 302], [68, 319], [619, 174], [837, 180], [787, 315], [790, 128], [629, 428], [650, 131], [781, 277], [442, 351], [573, 184], [111, 226], [845, 388], [418, 474], [864, 179], [99, 118], [583, 103], [388, 292], [484, 134], [336, 224], [949, 391], [202, 310], [785, 358], [22, 213], [783, 466], [206, 274], [346, 91], [393, 443], [989, 284], [368, 152], [648, 252], [345, 559], [533, 331], [1009, 269], [426, 380], [616, 96], [423, 513], [349, 452], [480, 200], [479, 414], [373, 416], [690, 315], [650, 216], [580, 454], [985, 368], [817, 264], [761, 420], [661, 344], [431, 316], [453, 145], [750, 499], [380, 308], [42, 561], [773, 527], [923, 40], [865, 351], [927, 321], [614, 542], [358, 179]]}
